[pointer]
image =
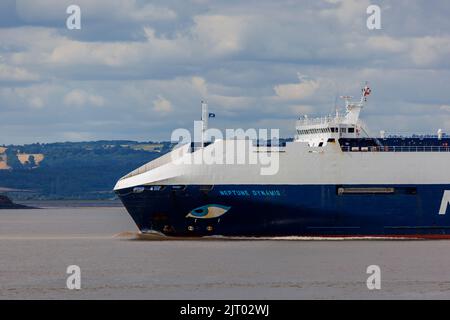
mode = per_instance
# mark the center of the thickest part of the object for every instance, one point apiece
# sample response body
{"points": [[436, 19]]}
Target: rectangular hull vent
{"points": [[368, 190]]}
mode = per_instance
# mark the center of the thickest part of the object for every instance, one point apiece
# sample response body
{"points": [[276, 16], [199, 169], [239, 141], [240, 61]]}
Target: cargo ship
{"points": [[333, 179]]}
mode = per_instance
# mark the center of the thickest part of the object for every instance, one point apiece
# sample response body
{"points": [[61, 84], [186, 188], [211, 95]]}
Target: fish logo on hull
{"points": [[445, 201], [208, 211]]}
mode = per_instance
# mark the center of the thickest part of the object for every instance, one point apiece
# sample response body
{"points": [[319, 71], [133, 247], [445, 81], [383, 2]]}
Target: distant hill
{"points": [[72, 170]]}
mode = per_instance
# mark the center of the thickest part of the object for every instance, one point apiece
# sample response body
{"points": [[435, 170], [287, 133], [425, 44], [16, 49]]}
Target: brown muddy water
{"points": [[37, 246]]}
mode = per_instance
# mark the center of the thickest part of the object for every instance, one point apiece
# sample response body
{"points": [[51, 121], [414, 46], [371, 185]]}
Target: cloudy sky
{"points": [[138, 69]]}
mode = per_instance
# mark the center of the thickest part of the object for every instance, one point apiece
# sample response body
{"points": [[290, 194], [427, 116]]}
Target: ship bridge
{"points": [[318, 132]]}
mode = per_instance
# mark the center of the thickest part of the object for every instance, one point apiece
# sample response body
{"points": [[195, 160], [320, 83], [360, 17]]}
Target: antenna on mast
{"points": [[347, 100], [336, 111], [205, 117]]}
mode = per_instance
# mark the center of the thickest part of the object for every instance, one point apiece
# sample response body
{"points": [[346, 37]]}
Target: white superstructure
{"points": [[314, 157]]}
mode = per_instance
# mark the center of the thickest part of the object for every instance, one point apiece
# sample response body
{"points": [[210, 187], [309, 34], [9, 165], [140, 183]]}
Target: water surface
{"points": [[36, 246]]}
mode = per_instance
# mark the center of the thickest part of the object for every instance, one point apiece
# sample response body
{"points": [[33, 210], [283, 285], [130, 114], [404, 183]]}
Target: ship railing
{"points": [[396, 149], [403, 135], [321, 120], [164, 159], [259, 146]]}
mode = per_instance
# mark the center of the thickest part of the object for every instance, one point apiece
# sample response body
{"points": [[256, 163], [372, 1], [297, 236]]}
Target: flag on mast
{"points": [[366, 91]]}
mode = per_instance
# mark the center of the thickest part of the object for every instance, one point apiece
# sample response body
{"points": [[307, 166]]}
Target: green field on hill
{"points": [[72, 170]]}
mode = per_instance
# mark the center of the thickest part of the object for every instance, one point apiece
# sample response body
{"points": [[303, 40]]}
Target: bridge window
{"points": [[351, 130], [343, 130]]}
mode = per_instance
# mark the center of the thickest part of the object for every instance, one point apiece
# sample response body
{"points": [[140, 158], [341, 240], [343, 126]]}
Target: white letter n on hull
{"points": [[445, 202]]}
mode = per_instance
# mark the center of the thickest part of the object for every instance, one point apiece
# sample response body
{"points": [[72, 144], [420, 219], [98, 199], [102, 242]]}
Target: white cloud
{"points": [[200, 85], [78, 98], [118, 10], [430, 50], [301, 109], [36, 102], [220, 34], [96, 100], [445, 108], [297, 91], [231, 102], [209, 37], [420, 51], [347, 11], [151, 12], [162, 105], [16, 74], [70, 52], [387, 44], [164, 57]]}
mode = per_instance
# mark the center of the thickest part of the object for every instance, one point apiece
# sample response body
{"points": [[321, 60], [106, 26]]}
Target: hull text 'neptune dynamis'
{"points": [[332, 180]]}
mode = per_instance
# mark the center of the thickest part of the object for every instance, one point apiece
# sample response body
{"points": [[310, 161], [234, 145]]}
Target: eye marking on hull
{"points": [[208, 211]]}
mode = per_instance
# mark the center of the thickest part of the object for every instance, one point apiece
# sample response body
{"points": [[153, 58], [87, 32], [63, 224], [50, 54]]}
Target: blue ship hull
{"points": [[290, 210]]}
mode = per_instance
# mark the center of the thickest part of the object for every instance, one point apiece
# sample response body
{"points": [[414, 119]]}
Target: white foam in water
{"points": [[308, 238], [154, 235]]}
